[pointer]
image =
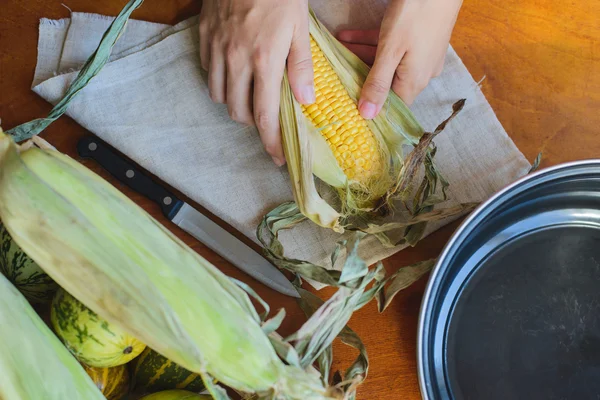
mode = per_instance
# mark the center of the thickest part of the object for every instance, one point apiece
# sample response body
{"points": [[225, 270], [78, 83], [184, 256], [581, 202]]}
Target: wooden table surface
{"points": [[541, 59]]}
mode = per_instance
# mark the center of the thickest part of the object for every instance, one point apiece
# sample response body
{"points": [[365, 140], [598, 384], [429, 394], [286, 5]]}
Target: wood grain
{"points": [[541, 60]]}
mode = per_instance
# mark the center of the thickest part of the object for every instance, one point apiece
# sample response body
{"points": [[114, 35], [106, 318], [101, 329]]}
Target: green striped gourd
{"points": [[34, 364], [112, 382], [153, 373], [90, 338], [176, 395], [23, 272]]}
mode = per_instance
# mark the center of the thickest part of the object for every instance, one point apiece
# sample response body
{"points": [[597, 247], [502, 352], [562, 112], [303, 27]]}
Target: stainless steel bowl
{"points": [[512, 308]]}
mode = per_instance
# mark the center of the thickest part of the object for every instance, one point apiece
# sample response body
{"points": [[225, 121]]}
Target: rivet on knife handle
{"points": [[130, 175]]}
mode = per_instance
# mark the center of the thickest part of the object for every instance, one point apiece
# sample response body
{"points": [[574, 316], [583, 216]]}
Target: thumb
{"points": [[378, 83], [300, 67]]}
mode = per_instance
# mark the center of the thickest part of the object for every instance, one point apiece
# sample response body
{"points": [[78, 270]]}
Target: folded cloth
{"points": [[151, 102]]}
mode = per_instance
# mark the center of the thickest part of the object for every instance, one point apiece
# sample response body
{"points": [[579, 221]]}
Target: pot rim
{"points": [[466, 225]]}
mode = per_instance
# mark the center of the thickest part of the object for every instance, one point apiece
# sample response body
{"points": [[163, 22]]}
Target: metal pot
{"points": [[512, 308]]}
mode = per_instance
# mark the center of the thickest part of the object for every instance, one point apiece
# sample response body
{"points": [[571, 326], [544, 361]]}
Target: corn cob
{"points": [[362, 160], [337, 117]]}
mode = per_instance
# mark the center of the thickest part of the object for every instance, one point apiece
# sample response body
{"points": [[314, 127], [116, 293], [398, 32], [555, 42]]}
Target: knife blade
{"points": [[188, 218]]}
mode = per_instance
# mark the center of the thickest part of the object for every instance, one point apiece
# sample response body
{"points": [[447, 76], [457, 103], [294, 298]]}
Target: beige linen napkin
{"points": [[151, 102]]}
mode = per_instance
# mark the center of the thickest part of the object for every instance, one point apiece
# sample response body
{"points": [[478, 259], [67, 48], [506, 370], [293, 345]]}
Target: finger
{"points": [[204, 34], [216, 74], [439, 67], [408, 82], [364, 52], [300, 66], [267, 84], [368, 37], [379, 81], [239, 84], [204, 47]]}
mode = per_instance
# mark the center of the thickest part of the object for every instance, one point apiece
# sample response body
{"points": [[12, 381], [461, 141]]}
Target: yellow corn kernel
{"points": [[319, 118], [311, 109], [353, 144]]}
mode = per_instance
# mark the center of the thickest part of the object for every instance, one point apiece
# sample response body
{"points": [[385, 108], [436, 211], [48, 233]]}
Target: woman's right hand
{"points": [[244, 46]]}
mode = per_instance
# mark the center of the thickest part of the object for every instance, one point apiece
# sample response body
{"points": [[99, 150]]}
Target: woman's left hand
{"points": [[406, 52]]}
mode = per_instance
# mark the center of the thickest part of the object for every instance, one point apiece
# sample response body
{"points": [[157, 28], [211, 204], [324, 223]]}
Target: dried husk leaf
{"points": [[357, 372], [536, 163], [299, 159], [401, 280]]}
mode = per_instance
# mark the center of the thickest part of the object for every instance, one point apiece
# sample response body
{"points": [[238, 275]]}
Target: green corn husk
{"points": [[309, 156], [122, 264], [400, 192], [34, 364]]}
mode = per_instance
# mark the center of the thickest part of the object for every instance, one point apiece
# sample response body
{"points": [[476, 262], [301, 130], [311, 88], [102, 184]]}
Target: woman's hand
{"points": [[406, 52], [244, 45]]}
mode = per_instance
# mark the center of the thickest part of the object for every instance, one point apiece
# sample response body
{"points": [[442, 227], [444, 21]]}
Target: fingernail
{"points": [[367, 109], [278, 161], [308, 94]]}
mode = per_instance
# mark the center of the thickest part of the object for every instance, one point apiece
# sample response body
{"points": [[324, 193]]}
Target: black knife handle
{"points": [[129, 174]]}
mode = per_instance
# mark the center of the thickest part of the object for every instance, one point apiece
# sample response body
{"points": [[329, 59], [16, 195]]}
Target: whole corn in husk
{"points": [[34, 364], [126, 267], [361, 160]]}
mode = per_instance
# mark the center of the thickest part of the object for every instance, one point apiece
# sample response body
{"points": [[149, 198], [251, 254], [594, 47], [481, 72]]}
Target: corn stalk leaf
{"points": [[354, 267], [244, 299], [285, 350], [423, 202], [286, 216], [90, 69], [536, 163], [339, 246], [216, 391], [431, 216], [368, 295], [325, 324], [419, 154], [272, 324], [357, 372], [325, 359], [402, 279]]}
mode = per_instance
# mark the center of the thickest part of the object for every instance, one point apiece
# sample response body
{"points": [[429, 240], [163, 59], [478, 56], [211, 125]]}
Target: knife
{"points": [[187, 218]]}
